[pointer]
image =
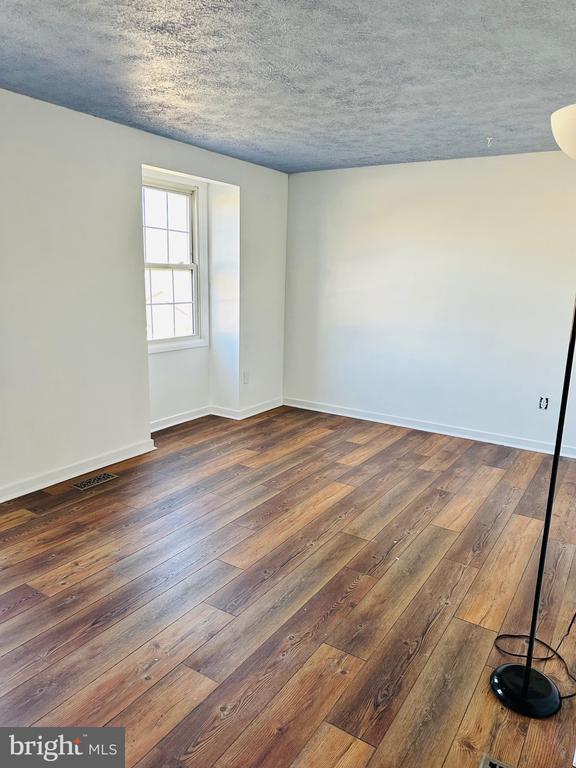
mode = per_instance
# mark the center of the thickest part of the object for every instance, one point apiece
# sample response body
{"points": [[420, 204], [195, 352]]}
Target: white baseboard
{"points": [[30, 484], [37, 482], [429, 426], [179, 418], [215, 410], [245, 413]]}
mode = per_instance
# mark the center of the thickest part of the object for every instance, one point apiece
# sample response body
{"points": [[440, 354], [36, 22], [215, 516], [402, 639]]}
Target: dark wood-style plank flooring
{"points": [[296, 590]]}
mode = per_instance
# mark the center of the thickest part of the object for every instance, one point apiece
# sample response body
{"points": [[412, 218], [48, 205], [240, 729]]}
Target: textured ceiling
{"points": [[304, 85]]}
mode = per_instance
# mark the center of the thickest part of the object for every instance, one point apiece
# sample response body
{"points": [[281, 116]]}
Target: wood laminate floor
{"points": [[296, 590]]}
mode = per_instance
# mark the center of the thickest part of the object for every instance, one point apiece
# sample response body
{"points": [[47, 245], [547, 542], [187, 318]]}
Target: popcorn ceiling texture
{"points": [[308, 84]]}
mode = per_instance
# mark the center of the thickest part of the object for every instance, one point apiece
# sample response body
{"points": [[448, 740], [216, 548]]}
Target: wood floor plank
{"points": [[435, 443], [40, 694], [132, 582], [373, 481], [118, 687], [533, 501], [255, 477], [477, 539], [563, 526], [490, 596], [254, 547], [204, 736], [28, 547], [329, 747], [361, 633], [116, 547], [357, 755], [410, 442], [448, 455], [74, 621], [73, 554], [463, 506], [374, 446], [487, 728], [220, 656], [254, 582], [363, 432], [326, 752], [19, 599], [399, 533], [495, 455], [153, 715], [15, 574], [267, 439], [475, 542], [154, 759], [459, 472], [370, 522], [566, 611], [522, 470], [428, 720], [279, 733], [260, 459], [281, 502], [23, 502], [360, 539], [369, 706], [69, 517], [550, 743], [559, 559], [14, 518], [163, 515]]}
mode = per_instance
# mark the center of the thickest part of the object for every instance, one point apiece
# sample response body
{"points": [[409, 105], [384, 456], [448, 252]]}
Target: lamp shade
{"points": [[564, 129]]}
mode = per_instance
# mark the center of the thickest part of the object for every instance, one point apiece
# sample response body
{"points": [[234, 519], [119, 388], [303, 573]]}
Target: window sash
{"points": [[192, 195], [192, 267]]}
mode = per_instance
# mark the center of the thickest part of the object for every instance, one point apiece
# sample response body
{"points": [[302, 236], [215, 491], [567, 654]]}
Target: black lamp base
{"points": [[542, 699]]}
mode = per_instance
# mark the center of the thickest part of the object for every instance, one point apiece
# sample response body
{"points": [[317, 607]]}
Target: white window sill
{"points": [[173, 345]]}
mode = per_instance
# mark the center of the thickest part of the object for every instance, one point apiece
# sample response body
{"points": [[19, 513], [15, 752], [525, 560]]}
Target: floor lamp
{"points": [[519, 686]]}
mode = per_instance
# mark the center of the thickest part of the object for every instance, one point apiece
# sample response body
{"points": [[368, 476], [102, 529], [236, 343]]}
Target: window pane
{"points": [[156, 245], [184, 320], [178, 217], [147, 285], [149, 322], [179, 247], [163, 320], [155, 207], [182, 285], [162, 293]]}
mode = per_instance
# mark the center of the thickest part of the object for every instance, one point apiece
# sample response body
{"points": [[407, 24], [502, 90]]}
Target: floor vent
{"points": [[492, 762], [90, 482]]}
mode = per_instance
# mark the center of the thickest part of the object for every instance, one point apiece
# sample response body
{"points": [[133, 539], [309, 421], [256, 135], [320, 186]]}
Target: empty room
{"points": [[287, 426]]}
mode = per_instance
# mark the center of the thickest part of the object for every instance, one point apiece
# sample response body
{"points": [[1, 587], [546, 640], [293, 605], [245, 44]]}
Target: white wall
{"points": [[179, 386], [435, 294], [224, 239], [74, 381]]}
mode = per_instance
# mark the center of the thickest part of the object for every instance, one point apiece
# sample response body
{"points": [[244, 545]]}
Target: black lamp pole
{"points": [[519, 686]]}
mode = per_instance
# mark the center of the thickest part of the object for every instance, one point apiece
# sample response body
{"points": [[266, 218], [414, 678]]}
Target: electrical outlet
{"points": [[543, 404], [245, 377]]}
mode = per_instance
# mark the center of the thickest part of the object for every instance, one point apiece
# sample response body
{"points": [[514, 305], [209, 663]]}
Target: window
{"points": [[171, 264]]}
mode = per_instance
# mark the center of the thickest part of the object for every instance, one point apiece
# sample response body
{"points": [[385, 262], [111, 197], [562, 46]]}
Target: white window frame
{"points": [[176, 182]]}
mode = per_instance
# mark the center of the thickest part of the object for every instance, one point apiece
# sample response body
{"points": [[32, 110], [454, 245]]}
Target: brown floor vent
{"points": [[90, 482]]}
